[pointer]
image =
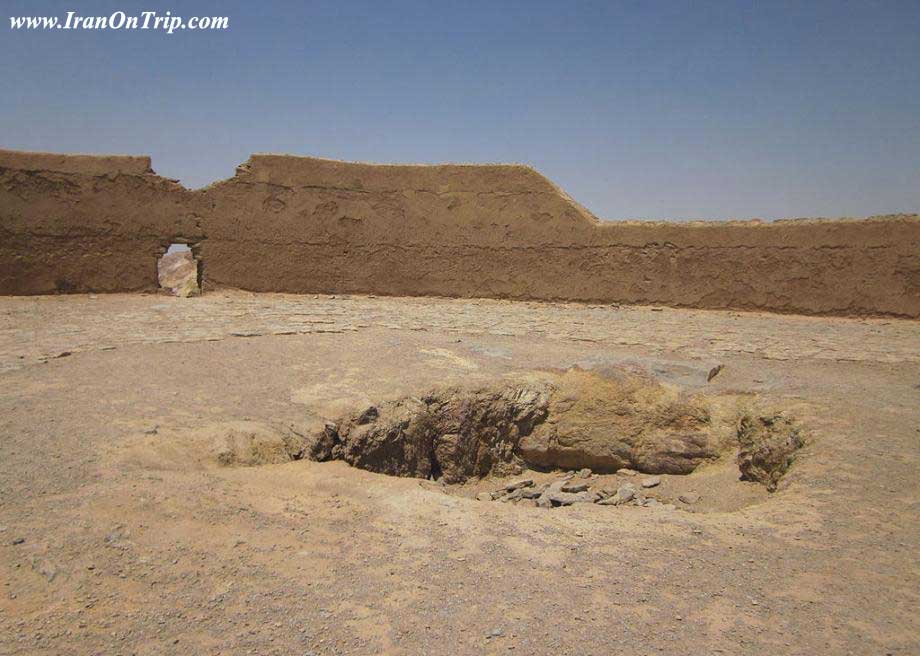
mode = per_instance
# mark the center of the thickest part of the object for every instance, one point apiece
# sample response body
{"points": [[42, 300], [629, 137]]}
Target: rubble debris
{"points": [[559, 493], [625, 493], [651, 481], [568, 498]]}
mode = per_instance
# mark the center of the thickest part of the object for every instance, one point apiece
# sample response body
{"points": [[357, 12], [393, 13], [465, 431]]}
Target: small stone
{"points": [[689, 498], [575, 487], [714, 372], [46, 569], [626, 472], [18, 541], [651, 481], [484, 496], [495, 633], [625, 493], [561, 499], [511, 487], [545, 499], [368, 416], [514, 495], [568, 498], [585, 473]]}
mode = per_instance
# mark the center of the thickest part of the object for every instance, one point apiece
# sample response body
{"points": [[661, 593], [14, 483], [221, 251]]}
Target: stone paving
{"points": [[35, 329]]}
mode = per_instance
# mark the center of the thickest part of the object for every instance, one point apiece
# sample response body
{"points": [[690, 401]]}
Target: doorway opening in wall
{"points": [[178, 271]]}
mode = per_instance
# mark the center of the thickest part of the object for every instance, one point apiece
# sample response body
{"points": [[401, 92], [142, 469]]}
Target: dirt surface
{"points": [[149, 503], [308, 225]]}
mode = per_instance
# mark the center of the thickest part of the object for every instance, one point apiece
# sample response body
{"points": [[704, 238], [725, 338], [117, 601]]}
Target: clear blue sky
{"points": [[663, 110]]}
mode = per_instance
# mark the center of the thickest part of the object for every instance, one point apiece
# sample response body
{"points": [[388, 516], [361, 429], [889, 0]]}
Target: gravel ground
{"points": [[111, 542]]}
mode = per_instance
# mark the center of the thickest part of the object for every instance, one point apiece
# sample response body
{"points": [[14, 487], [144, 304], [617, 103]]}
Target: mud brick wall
{"points": [[72, 223]]}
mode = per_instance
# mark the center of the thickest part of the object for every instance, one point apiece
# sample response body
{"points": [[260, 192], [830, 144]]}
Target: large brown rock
{"points": [[608, 424]]}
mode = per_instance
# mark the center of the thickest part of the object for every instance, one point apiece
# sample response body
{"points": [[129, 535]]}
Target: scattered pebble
{"points": [[516, 485], [567, 490], [714, 372]]}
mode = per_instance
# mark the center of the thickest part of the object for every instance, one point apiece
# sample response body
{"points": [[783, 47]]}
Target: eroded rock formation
{"points": [[451, 433], [606, 425], [576, 420]]}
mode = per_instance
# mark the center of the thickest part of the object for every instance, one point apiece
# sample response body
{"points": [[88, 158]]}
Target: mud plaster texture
{"points": [[294, 224]]}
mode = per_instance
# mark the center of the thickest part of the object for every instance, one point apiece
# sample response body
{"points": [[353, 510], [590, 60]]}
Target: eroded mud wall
{"points": [[306, 225], [78, 223]]}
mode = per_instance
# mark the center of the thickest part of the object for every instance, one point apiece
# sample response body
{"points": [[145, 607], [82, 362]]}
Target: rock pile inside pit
{"points": [[567, 491], [572, 421]]}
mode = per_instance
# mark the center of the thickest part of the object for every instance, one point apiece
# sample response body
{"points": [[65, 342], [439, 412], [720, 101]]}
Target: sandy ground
{"points": [[109, 546]]}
